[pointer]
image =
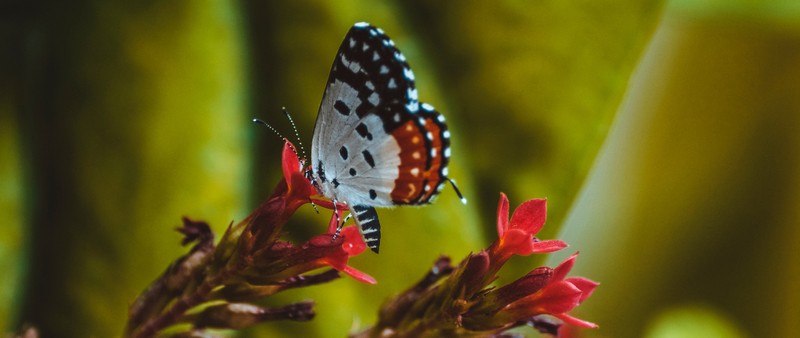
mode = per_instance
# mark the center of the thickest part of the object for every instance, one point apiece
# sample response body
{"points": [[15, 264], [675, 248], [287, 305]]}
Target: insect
{"points": [[375, 144]]}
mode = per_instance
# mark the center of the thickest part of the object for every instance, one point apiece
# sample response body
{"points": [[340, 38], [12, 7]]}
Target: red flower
{"points": [[269, 259], [299, 189], [559, 296], [518, 236], [352, 244]]}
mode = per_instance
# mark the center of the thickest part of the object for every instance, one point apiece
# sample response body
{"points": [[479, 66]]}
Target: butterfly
{"points": [[375, 144]]}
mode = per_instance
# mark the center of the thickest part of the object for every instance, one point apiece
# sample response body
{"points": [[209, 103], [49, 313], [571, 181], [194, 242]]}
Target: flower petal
{"points": [[558, 297], [575, 321], [530, 215], [518, 242], [290, 161], [353, 242], [359, 275], [586, 285], [502, 215], [563, 269], [548, 246]]}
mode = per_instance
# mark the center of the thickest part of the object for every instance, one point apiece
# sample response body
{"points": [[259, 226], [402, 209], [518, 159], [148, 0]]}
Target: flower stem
{"points": [[187, 301]]}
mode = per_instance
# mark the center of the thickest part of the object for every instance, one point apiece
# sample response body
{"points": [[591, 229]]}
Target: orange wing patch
{"points": [[421, 159]]}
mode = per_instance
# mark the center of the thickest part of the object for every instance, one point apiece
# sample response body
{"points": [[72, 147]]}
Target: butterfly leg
{"points": [[368, 225], [338, 218], [313, 205]]}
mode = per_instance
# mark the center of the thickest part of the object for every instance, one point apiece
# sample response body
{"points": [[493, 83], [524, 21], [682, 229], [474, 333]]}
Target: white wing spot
{"points": [[440, 118], [444, 171], [433, 152], [352, 42], [399, 56], [361, 24], [427, 107], [375, 56], [379, 30], [373, 32], [392, 84], [421, 121], [447, 152], [384, 69], [354, 66], [429, 136], [370, 85], [446, 134], [396, 117], [365, 47], [408, 73], [369, 231], [412, 94], [374, 99], [412, 107], [415, 172]]}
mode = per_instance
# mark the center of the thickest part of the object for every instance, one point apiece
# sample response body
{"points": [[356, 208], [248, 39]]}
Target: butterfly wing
{"points": [[373, 145]]}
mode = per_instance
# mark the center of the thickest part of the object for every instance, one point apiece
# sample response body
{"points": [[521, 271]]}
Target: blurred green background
{"points": [[666, 137]]}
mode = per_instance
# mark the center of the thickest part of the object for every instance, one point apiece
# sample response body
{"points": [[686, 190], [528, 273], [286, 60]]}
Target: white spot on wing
{"points": [[412, 94], [415, 171], [370, 85], [428, 107], [353, 66], [392, 84], [444, 171], [446, 134], [374, 99], [352, 42], [408, 74], [412, 106], [447, 152], [396, 117], [361, 24], [384, 69], [375, 56], [399, 56]]}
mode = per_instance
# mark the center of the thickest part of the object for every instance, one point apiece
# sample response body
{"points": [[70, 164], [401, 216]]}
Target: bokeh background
{"points": [[666, 137]]}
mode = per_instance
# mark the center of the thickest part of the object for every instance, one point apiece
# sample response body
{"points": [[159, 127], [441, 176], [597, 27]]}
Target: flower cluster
{"points": [[217, 286], [460, 301]]}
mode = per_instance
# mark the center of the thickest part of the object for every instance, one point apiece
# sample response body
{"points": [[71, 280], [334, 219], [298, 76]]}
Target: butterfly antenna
{"points": [[296, 134], [458, 192], [260, 121]]}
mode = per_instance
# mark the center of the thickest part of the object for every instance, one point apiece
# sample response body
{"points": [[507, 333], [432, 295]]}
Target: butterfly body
{"points": [[375, 144]]}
